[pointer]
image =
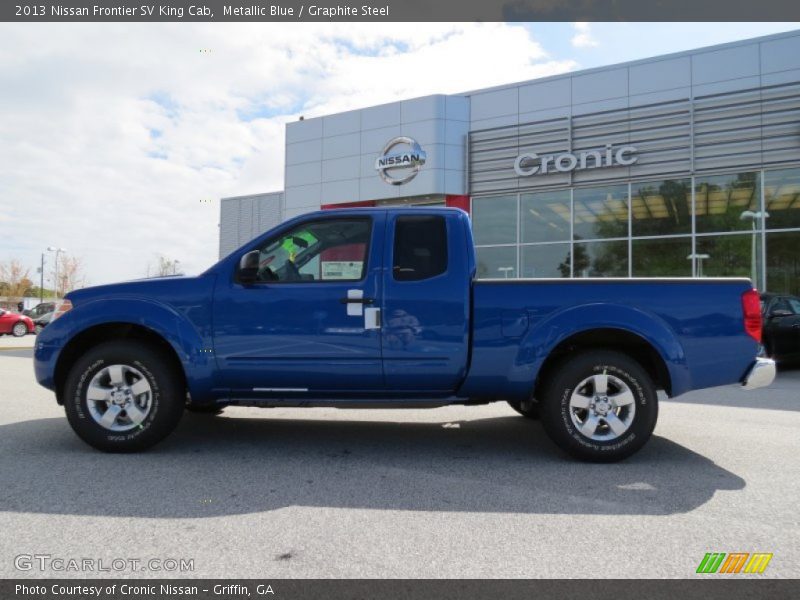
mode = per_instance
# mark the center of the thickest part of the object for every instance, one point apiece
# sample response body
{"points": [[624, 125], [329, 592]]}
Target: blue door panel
{"points": [[426, 322], [270, 337]]}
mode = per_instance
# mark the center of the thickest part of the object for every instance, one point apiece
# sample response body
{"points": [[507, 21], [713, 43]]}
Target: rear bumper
{"points": [[761, 374]]}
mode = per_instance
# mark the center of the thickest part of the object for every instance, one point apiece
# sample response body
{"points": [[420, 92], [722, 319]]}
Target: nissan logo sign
{"points": [[397, 168], [532, 164]]}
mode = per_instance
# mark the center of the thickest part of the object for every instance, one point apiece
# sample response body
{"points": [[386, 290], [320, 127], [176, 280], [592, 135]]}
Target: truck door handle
{"points": [[357, 300]]}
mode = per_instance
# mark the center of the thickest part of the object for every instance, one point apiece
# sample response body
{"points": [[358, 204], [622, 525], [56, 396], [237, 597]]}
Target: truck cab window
{"points": [[325, 250], [420, 247]]}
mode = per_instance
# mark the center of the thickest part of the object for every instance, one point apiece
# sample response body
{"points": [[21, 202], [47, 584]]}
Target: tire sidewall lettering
{"points": [[640, 398], [80, 402]]}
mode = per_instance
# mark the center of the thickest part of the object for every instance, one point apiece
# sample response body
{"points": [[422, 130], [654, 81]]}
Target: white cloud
{"points": [[583, 36], [113, 134]]}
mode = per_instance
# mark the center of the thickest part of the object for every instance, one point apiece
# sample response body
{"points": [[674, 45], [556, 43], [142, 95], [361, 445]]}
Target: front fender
{"points": [[547, 334], [190, 339]]}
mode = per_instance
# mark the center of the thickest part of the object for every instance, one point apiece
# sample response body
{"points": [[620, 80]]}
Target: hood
{"points": [[154, 288]]}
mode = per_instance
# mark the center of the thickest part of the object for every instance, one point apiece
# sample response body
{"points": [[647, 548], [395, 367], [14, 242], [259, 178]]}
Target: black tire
{"points": [[166, 396], [559, 419], [37, 329], [528, 409], [19, 329], [211, 410]]}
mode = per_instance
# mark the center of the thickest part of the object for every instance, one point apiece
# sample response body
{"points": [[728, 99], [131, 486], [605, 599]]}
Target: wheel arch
{"points": [[106, 332], [640, 334], [615, 339]]}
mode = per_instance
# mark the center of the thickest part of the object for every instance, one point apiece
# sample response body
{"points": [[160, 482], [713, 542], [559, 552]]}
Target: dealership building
{"points": [[680, 165]]}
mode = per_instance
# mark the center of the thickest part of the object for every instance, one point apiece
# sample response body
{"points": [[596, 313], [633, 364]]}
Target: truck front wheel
{"points": [[122, 396], [599, 406]]}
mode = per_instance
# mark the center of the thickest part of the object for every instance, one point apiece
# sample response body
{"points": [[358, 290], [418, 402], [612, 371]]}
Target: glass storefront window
{"points": [[601, 259], [499, 262], [494, 220], [661, 207], [729, 256], [782, 197], [783, 263], [601, 212], [667, 257], [528, 235], [545, 216], [545, 260], [727, 202]]}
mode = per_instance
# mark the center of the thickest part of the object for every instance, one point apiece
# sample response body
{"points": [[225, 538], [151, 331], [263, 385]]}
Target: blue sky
{"points": [[115, 136], [620, 42]]}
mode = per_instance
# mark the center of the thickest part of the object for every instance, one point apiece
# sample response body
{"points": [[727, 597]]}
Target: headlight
{"points": [[63, 306]]}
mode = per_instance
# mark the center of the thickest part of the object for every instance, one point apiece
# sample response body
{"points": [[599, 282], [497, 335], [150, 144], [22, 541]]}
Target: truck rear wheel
{"points": [[599, 406], [122, 396]]}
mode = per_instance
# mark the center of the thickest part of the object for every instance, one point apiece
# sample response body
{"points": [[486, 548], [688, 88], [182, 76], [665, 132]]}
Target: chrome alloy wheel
{"points": [[119, 397], [602, 407]]}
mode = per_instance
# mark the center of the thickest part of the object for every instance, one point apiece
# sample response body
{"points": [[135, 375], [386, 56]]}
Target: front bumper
{"points": [[761, 374]]}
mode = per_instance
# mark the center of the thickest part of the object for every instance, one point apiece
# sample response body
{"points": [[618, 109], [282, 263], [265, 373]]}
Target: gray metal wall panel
{"points": [[243, 218], [740, 129]]}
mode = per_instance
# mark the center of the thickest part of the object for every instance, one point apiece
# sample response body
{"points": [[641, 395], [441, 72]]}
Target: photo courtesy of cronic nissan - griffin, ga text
{"points": [[380, 307]]}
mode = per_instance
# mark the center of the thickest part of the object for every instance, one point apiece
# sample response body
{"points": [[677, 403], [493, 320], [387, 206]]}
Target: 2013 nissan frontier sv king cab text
{"points": [[381, 308]]}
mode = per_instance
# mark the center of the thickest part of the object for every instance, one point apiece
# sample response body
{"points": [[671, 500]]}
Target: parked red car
{"points": [[15, 324]]}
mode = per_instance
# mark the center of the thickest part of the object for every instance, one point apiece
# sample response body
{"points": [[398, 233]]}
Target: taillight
{"points": [[63, 306], [751, 307]]}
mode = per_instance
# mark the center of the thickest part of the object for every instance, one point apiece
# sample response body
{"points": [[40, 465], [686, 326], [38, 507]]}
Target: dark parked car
{"points": [[781, 326], [43, 321], [15, 323], [40, 309]]}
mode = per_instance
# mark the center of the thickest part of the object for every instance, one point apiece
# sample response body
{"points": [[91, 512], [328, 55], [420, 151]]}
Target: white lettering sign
{"points": [[531, 163]]}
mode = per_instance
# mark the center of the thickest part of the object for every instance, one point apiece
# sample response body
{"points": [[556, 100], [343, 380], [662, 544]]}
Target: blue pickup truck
{"points": [[381, 308]]}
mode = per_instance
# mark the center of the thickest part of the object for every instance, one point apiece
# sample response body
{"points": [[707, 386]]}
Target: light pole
{"points": [[57, 251], [753, 216], [41, 281]]}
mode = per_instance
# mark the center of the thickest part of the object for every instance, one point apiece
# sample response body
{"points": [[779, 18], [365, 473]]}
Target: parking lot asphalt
{"points": [[463, 492]]}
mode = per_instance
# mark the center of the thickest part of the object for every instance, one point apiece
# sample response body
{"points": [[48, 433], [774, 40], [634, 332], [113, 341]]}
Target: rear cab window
{"points": [[420, 247]]}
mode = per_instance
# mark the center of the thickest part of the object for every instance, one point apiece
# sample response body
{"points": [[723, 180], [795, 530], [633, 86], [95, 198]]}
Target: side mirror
{"points": [[781, 312], [248, 267]]}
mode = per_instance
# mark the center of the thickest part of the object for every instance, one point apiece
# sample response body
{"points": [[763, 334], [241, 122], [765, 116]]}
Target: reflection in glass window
{"points": [[545, 260], [497, 263], [782, 197], [727, 202], [729, 256], [545, 216], [601, 259], [494, 220], [783, 263], [661, 207], [667, 257], [601, 212]]}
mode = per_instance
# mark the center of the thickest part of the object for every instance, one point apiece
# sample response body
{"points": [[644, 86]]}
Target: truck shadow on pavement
{"points": [[214, 466]]}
